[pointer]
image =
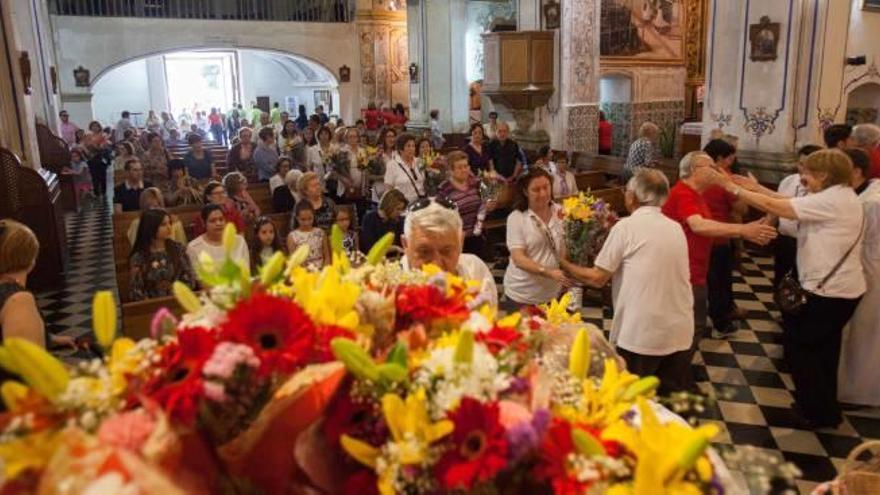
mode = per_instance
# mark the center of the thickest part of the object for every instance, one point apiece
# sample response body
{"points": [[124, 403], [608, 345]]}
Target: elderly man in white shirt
{"points": [[432, 233], [646, 257]]}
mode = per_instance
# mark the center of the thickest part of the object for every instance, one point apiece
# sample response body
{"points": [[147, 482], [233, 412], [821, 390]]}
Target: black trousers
{"points": [[98, 171], [719, 282], [673, 370], [785, 258], [811, 342]]}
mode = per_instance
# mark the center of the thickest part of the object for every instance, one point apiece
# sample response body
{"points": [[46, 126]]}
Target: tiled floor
{"points": [[746, 374]]}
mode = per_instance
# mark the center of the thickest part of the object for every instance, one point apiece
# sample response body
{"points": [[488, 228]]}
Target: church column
{"points": [[437, 31], [580, 74], [383, 50]]}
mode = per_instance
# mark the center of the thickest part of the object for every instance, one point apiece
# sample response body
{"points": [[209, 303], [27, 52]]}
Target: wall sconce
{"points": [[413, 73]]}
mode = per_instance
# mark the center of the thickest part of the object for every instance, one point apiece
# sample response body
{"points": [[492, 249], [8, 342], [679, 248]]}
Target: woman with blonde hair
{"points": [[19, 314], [829, 237]]}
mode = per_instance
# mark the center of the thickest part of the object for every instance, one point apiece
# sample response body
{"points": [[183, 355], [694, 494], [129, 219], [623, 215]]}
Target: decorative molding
{"points": [[384, 60], [721, 118], [76, 97], [760, 122], [580, 50], [826, 117]]}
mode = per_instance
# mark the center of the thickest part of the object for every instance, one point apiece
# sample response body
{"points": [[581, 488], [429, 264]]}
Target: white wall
{"points": [[262, 77], [615, 88], [100, 43], [126, 88]]}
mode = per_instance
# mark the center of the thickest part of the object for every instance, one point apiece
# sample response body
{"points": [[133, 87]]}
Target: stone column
{"points": [[437, 30], [580, 74], [384, 55]]}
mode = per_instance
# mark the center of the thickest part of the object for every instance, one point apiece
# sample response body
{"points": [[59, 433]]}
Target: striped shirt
{"points": [[468, 201]]}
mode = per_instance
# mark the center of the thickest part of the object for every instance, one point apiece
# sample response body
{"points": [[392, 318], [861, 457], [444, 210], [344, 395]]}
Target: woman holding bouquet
{"points": [[320, 156], [433, 166], [534, 238], [463, 189]]}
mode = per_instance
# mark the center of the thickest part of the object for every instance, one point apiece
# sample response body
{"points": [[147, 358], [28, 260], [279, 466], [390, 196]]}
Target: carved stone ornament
{"points": [[552, 13], [24, 63], [81, 76]]}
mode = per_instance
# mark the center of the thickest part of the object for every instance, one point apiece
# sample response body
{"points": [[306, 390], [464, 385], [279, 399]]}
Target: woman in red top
{"points": [[372, 117], [605, 131], [215, 122], [215, 193]]}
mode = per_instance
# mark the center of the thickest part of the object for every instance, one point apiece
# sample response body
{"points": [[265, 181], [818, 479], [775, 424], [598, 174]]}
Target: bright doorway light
{"points": [[199, 81]]}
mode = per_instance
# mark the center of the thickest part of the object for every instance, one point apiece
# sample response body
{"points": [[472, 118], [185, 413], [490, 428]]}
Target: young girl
{"points": [[79, 172], [344, 219], [305, 232], [264, 243]]}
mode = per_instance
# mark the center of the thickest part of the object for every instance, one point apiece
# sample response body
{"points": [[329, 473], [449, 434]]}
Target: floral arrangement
{"points": [[434, 168], [372, 379], [491, 185], [586, 221]]}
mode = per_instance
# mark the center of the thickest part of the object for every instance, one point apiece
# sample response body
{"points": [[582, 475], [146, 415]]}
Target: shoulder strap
{"points": [[410, 177], [845, 256]]}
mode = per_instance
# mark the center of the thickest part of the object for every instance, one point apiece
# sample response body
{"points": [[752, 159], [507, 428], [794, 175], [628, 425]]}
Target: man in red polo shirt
{"points": [[687, 206], [724, 207]]}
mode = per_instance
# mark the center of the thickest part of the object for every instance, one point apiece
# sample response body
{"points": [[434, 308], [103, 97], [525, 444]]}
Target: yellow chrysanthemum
{"points": [[326, 298], [665, 452], [31, 451]]}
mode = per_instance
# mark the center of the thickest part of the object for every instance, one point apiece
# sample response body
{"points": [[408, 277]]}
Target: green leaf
{"points": [[336, 240], [378, 251], [586, 444], [397, 354], [392, 372]]}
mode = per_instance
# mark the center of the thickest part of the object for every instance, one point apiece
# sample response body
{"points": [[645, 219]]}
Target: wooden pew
{"points": [[137, 316], [588, 181]]}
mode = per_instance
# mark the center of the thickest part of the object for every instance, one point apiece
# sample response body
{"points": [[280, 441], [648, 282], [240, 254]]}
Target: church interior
{"points": [[135, 134]]}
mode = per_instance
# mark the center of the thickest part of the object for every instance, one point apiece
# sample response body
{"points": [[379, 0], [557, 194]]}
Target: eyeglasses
{"points": [[422, 203]]}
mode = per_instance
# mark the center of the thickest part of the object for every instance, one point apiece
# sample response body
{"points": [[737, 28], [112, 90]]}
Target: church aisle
{"points": [[67, 310], [746, 373], [747, 376]]}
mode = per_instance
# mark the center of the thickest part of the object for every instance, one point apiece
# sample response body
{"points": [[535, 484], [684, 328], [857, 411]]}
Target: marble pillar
{"points": [[437, 31], [579, 74]]}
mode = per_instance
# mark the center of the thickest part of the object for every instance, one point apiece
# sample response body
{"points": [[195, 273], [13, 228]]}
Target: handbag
{"points": [[791, 297]]}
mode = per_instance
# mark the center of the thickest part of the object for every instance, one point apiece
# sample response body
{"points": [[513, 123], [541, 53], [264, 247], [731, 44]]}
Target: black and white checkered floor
{"points": [[745, 373]]}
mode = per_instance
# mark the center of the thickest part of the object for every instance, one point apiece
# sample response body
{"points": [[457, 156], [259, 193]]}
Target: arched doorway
{"points": [[863, 105], [183, 82], [615, 100]]}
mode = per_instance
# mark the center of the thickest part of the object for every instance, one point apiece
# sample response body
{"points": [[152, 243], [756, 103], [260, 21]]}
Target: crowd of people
{"points": [[670, 261]]}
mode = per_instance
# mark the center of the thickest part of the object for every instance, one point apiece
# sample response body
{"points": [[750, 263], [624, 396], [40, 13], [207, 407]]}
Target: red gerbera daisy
{"points": [[500, 338], [479, 446], [553, 466], [278, 330], [179, 385], [427, 304]]}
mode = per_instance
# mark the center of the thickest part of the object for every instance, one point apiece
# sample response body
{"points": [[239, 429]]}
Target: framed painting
{"points": [[642, 31], [871, 5]]}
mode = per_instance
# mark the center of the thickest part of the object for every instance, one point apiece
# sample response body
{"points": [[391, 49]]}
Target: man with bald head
{"points": [[687, 206], [505, 153]]}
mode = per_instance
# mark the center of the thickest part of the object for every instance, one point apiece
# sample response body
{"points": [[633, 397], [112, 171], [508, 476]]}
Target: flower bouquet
{"points": [[369, 379], [434, 168], [491, 185], [586, 223]]}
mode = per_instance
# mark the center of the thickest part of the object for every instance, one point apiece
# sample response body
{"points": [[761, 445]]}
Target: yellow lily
{"points": [[39, 369], [557, 311], [32, 451], [326, 297], [665, 452], [13, 393], [104, 317], [412, 433], [579, 357], [602, 404]]}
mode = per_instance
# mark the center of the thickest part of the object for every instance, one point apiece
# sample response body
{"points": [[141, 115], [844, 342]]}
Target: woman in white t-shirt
{"points": [[211, 241], [534, 239], [829, 232], [403, 172]]}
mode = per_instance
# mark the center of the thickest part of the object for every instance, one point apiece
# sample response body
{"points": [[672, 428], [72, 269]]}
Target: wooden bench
{"points": [[587, 181]]}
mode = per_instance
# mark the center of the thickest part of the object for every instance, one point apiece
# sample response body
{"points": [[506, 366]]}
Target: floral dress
{"points": [[152, 276], [315, 240]]}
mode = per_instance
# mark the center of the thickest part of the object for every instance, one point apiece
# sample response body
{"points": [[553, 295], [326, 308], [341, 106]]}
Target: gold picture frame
{"points": [[655, 33]]}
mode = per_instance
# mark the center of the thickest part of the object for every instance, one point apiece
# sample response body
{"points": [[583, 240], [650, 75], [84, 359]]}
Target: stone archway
{"points": [[863, 104]]}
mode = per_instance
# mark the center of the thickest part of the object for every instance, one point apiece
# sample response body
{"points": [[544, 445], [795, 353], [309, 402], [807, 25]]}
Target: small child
{"points": [[344, 219], [264, 243], [79, 172], [305, 232]]}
